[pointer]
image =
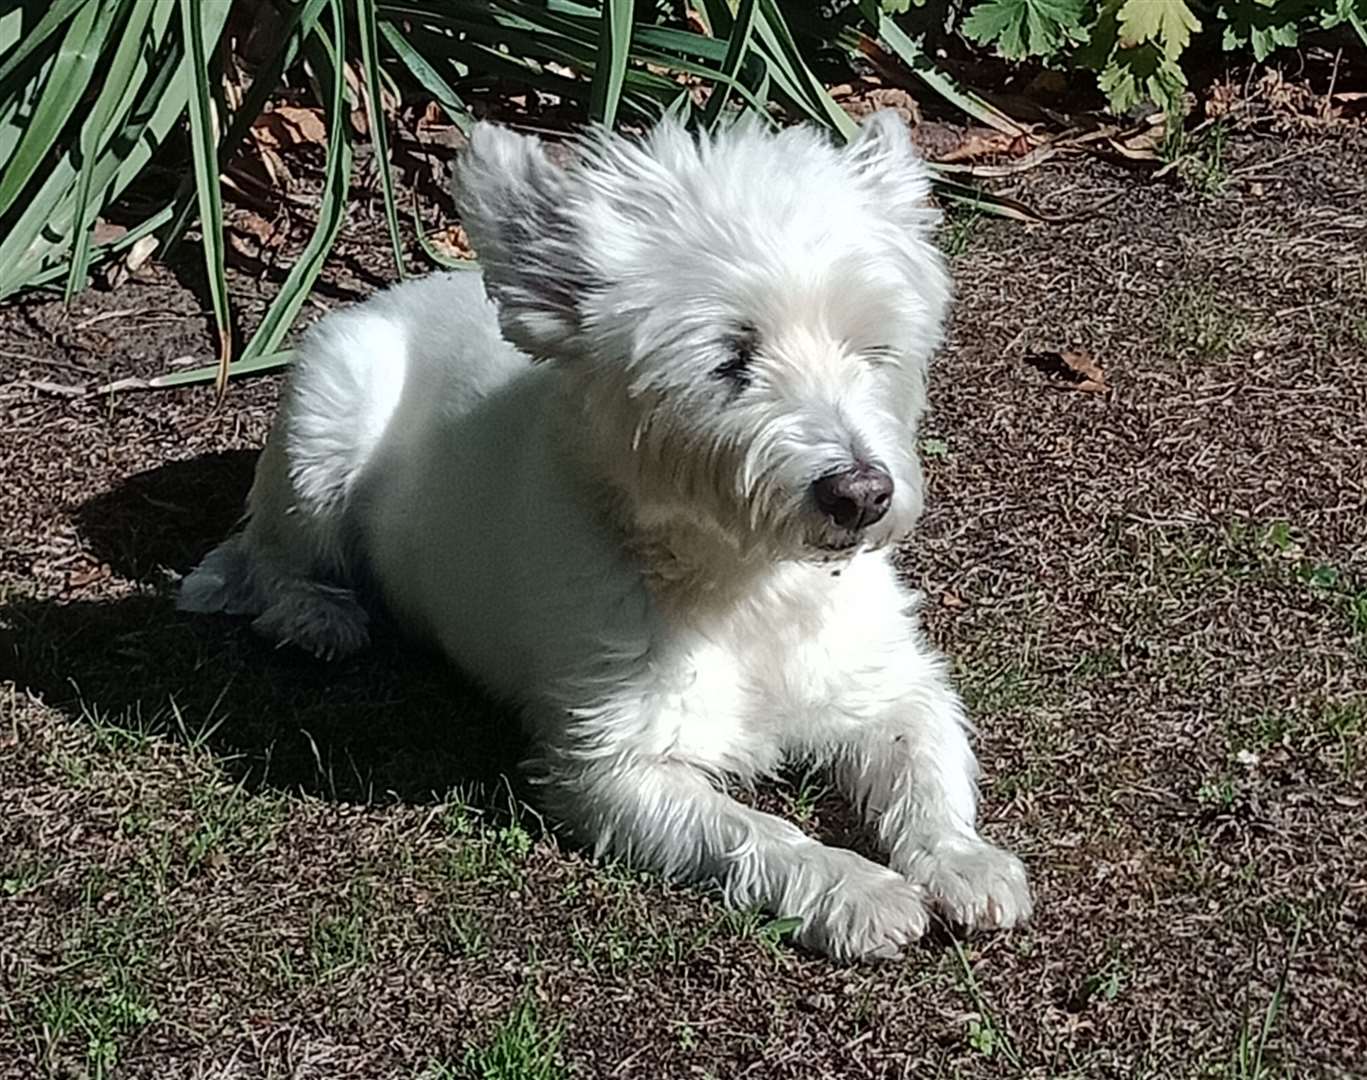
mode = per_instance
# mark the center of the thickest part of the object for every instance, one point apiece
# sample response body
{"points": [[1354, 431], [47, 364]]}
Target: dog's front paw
{"points": [[972, 884], [865, 913]]}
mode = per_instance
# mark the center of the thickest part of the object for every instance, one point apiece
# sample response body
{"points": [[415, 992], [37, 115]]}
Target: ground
{"points": [[221, 860]]}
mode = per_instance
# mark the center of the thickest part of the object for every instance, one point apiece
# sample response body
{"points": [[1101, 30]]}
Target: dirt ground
{"points": [[221, 860]]}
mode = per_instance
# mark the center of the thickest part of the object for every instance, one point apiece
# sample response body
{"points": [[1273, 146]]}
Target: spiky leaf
{"points": [[1168, 24], [1134, 76], [1265, 25], [1022, 28]]}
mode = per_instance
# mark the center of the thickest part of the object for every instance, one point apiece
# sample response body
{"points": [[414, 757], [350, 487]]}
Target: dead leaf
{"points": [[290, 125], [80, 578], [47, 386], [106, 232], [949, 143], [258, 228], [865, 97], [452, 242], [1073, 368], [139, 253]]}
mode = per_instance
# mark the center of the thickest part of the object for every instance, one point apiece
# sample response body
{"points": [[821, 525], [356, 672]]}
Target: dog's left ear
{"points": [[882, 156], [515, 206]]}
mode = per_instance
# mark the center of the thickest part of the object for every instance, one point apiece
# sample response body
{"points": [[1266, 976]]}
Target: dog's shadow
{"points": [[394, 722]]}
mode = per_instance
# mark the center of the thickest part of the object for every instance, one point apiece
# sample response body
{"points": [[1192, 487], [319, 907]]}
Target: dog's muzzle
{"points": [[855, 498]]}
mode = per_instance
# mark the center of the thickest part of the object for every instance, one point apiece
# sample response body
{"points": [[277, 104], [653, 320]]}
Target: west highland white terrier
{"points": [[641, 478]]}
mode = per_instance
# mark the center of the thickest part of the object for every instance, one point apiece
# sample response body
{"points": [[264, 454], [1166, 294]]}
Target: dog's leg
{"points": [[911, 768], [666, 815]]}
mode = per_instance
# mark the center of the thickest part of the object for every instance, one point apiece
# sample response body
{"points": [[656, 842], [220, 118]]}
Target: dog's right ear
{"points": [[515, 206]]}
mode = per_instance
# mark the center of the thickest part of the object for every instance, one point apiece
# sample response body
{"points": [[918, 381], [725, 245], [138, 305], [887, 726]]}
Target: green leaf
{"points": [[1024, 28], [203, 140], [911, 54], [255, 365], [374, 103], [53, 18], [429, 77], [736, 47], [123, 77], [1264, 25], [66, 84], [610, 68], [329, 60], [1139, 75], [1168, 24], [41, 232]]}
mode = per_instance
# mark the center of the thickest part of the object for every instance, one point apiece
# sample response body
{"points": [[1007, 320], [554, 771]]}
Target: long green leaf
{"points": [[255, 365], [100, 252], [911, 54], [48, 25], [40, 233], [430, 250], [374, 101], [299, 23], [428, 77], [205, 148], [614, 50], [736, 47], [779, 43], [328, 58], [85, 39], [139, 34]]}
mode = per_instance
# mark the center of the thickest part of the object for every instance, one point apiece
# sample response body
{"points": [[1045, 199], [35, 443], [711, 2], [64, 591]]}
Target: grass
{"points": [[188, 876], [1199, 321], [522, 1047], [90, 1024], [961, 225], [985, 1031]]}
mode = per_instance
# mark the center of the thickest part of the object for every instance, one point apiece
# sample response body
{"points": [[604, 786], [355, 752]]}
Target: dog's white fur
{"points": [[623, 540]]}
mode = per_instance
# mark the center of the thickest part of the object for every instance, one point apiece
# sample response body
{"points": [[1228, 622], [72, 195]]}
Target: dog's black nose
{"points": [[854, 499]]}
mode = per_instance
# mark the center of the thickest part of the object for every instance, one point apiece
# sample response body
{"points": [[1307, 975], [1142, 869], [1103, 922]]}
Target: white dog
{"points": [[668, 544]]}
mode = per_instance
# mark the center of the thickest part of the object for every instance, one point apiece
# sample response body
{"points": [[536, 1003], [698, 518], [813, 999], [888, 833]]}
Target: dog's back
{"points": [[367, 379]]}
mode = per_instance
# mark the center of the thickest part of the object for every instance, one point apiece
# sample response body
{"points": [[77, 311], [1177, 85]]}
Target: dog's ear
{"points": [[882, 156], [514, 204]]}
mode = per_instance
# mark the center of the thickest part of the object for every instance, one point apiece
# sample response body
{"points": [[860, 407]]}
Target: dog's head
{"points": [[747, 318]]}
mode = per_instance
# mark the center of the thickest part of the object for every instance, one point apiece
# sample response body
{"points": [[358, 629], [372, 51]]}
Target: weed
{"points": [[985, 1034], [810, 790], [23, 875], [1346, 722], [1204, 167], [1250, 1046], [101, 1016], [755, 925], [341, 941], [960, 227], [461, 935], [521, 1049], [1201, 322], [228, 819], [1357, 615], [934, 448], [1220, 794]]}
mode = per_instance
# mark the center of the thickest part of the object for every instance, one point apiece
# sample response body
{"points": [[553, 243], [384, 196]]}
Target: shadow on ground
{"points": [[395, 722]]}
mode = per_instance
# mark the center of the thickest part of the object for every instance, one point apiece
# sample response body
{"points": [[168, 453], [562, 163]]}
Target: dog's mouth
{"points": [[832, 545]]}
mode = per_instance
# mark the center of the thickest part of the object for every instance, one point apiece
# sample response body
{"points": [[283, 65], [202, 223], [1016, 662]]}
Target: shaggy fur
{"points": [[668, 545]]}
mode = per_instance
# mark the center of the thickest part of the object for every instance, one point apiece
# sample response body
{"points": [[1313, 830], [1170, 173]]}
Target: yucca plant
{"points": [[92, 91]]}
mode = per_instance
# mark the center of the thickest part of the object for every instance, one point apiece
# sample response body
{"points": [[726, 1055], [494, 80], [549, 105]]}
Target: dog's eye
{"points": [[740, 352], [880, 354]]}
